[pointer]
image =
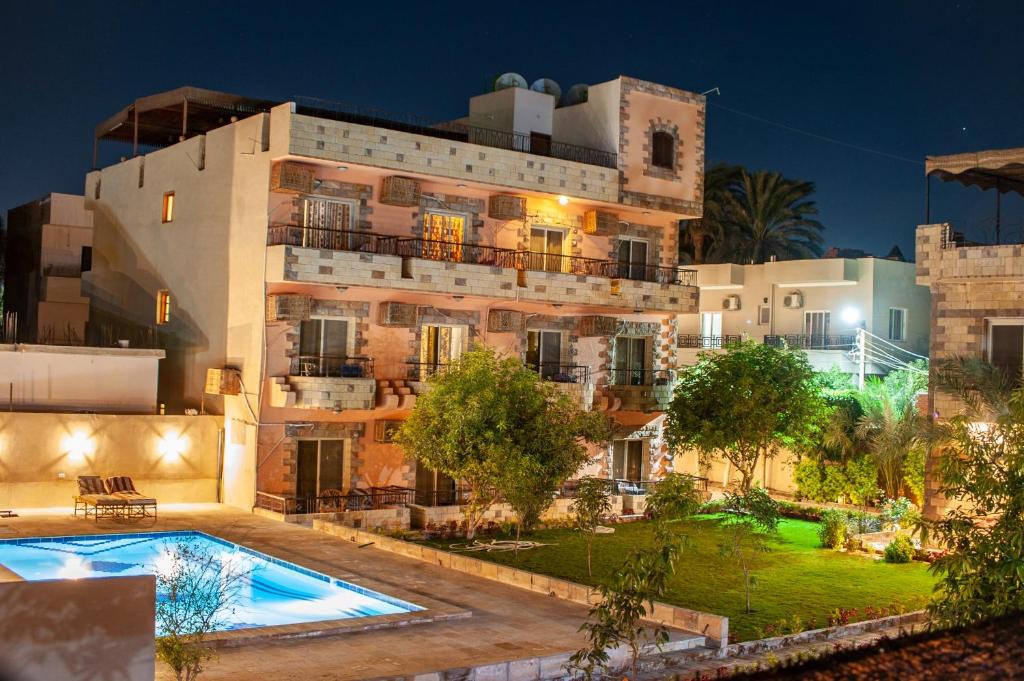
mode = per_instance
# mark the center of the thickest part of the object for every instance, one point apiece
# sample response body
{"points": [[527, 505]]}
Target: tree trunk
{"points": [[698, 247], [590, 546]]}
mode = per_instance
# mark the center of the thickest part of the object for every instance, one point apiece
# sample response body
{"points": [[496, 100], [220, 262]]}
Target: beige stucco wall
{"points": [[172, 458], [594, 123], [78, 629], [776, 474], [43, 377]]}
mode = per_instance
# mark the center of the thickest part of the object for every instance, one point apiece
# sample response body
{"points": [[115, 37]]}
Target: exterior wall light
{"points": [[563, 200], [850, 315], [77, 446], [172, 446]]}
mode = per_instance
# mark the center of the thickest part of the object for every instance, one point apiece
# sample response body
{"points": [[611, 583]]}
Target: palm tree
{"points": [[714, 226], [773, 217], [890, 431]]}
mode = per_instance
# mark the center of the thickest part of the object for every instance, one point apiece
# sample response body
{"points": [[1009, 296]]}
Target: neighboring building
{"points": [[49, 245], [977, 289], [816, 305], [336, 259]]}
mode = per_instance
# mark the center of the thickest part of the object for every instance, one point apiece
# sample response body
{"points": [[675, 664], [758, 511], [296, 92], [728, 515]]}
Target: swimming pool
{"points": [[273, 591]]}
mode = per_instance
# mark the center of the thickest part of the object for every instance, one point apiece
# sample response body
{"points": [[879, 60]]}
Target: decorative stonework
{"points": [[293, 432], [672, 130], [360, 312]]}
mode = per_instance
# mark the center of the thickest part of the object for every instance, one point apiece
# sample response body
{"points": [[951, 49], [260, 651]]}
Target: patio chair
{"points": [[136, 505], [92, 493], [331, 500]]}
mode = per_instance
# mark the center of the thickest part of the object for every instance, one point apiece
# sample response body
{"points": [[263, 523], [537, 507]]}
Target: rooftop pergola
{"points": [[168, 117], [999, 169]]}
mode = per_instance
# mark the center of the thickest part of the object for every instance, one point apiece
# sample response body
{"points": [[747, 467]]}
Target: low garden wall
{"points": [[383, 518], [714, 628], [561, 509]]}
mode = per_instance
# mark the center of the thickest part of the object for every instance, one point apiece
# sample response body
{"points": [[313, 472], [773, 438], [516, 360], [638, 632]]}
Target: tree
{"points": [[592, 503], [890, 430], [753, 517], [981, 470], [196, 592], [714, 226], [496, 426], [773, 217], [745, 404], [674, 498]]}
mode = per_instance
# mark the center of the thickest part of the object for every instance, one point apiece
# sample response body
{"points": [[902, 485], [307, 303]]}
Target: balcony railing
{"points": [[335, 501], [562, 373], [332, 366], [709, 342], [637, 377], [539, 146], [811, 341], [473, 254], [443, 497], [420, 371]]}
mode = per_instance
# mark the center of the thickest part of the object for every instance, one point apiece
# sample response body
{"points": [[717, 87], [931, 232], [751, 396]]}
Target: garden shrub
{"points": [[898, 513], [899, 550], [832, 530]]}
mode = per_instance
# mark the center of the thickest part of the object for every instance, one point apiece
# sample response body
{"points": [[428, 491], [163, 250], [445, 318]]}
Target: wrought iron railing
{"points": [[332, 366], [635, 377], [540, 146], [330, 239], [336, 501], [708, 342], [562, 373], [453, 251], [458, 496], [811, 341], [420, 371]]}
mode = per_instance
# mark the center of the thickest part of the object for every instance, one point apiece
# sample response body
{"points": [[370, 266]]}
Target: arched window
{"points": [[663, 151]]}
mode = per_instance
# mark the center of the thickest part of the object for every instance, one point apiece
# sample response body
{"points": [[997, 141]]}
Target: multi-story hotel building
{"points": [[331, 260]]}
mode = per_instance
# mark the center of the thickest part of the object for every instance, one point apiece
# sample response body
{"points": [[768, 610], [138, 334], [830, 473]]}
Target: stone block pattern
{"points": [[411, 153], [338, 394], [343, 268]]}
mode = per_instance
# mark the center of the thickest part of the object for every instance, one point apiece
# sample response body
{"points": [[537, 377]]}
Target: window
{"points": [[434, 488], [168, 209], [544, 351], [764, 315], [628, 460], [711, 324], [326, 224], [546, 249], [443, 234], [320, 466], [86, 259], [897, 324], [1006, 347], [439, 346], [816, 327], [631, 361], [663, 150], [323, 348], [632, 259], [163, 306]]}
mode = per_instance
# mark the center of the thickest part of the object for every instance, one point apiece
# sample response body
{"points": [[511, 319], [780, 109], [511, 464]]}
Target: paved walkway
{"points": [[506, 623]]}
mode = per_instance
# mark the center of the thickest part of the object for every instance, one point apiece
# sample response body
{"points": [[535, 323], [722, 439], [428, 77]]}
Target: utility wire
{"points": [[882, 340], [816, 136]]}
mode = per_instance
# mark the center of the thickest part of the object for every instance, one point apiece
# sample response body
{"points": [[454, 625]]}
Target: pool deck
{"points": [[505, 623]]}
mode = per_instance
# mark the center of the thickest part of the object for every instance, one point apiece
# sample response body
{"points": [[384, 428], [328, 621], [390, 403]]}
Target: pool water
{"points": [[272, 591]]}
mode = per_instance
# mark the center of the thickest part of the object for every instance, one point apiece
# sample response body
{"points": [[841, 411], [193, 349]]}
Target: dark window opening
{"points": [[1007, 349], [663, 150], [86, 258]]}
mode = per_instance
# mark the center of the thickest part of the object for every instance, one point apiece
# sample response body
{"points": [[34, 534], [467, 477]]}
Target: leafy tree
{"points": [[753, 518], [891, 430], [981, 468], [592, 503], [493, 424], [745, 404], [674, 498], [774, 216], [196, 591]]}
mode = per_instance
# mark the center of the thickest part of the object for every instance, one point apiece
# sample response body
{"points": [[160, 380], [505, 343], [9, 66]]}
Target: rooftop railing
{"points": [[473, 254]]}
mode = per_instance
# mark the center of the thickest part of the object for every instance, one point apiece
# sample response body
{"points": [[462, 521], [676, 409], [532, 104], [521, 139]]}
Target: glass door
{"points": [[632, 259], [544, 351], [434, 488], [319, 467], [711, 324], [325, 224], [323, 346], [816, 328], [628, 460], [546, 249], [443, 234], [630, 361], [439, 346]]}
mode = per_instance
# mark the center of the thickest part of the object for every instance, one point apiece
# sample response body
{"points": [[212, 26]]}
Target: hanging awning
{"points": [[1000, 169]]}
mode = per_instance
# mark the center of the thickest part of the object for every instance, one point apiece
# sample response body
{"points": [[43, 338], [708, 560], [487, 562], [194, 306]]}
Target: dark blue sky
{"points": [[908, 79]]}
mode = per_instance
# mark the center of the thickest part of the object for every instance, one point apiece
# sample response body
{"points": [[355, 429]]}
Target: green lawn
{"points": [[795, 578]]}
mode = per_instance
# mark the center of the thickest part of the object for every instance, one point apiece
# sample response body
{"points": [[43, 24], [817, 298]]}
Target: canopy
{"points": [[1000, 169]]}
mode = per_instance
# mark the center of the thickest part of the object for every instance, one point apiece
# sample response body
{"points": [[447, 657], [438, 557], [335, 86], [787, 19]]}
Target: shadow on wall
{"points": [[86, 630]]}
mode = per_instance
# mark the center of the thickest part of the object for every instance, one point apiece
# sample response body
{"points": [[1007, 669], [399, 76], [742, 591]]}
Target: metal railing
{"points": [[636, 377], [811, 341], [332, 366], [562, 373], [472, 254], [335, 501], [443, 497], [708, 342], [419, 371]]}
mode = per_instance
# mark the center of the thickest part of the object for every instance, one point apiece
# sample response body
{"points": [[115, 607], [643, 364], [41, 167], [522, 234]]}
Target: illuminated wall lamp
{"points": [[77, 446], [172, 446]]}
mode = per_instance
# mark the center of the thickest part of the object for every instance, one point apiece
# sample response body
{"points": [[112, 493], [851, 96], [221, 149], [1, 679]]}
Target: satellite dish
{"points": [[547, 86], [507, 80], [577, 94]]}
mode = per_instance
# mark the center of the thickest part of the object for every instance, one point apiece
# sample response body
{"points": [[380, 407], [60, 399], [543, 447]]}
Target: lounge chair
{"points": [[136, 505], [92, 493]]}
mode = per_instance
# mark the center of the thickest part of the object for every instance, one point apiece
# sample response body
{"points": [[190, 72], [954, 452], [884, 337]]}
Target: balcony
{"points": [[645, 390], [344, 258], [326, 382], [812, 341], [570, 379], [708, 342]]}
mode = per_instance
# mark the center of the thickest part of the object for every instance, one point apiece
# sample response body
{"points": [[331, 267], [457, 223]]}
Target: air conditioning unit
{"points": [[731, 303], [292, 178], [504, 321], [793, 301], [223, 382], [397, 314]]}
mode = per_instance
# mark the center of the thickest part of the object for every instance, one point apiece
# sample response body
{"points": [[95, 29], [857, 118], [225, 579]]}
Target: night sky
{"points": [[904, 79]]}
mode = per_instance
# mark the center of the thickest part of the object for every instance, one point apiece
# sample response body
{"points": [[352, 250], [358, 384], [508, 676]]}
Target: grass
{"points": [[796, 577]]}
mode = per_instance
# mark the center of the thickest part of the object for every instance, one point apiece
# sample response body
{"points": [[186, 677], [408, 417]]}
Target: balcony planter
{"points": [[400, 191], [506, 207]]}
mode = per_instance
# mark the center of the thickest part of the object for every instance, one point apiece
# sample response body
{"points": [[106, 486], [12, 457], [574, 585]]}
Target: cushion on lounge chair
{"points": [[90, 484], [134, 499], [101, 499], [119, 483]]}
